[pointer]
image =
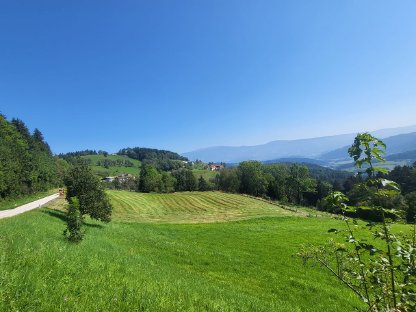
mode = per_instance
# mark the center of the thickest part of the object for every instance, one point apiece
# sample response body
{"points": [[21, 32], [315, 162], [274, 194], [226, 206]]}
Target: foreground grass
{"points": [[16, 202], [138, 263], [230, 266]]}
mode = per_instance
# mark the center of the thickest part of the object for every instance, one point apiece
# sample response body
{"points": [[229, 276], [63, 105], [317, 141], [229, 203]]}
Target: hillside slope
{"points": [[112, 165], [190, 207]]}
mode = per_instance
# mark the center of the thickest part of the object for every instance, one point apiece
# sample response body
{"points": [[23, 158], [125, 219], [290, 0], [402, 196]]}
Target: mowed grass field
{"points": [[169, 252], [189, 207]]}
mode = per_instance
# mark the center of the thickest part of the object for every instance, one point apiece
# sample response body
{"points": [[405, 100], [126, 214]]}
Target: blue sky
{"points": [[182, 75]]}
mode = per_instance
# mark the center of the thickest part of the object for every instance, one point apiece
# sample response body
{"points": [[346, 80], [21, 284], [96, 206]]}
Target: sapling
{"points": [[383, 278]]}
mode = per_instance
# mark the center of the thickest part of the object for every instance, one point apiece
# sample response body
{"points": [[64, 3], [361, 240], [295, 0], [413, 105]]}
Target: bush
{"points": [[369, 213], [74, 221], [411, 210]]}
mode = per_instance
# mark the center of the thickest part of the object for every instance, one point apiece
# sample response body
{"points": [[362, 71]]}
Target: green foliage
{"points": [[323, 189], [26, 162], [72, 156], [411, 210], [276, 181], [185, 180], [384, 278], [74, 221], [111, 165], [168, 182], [277, 176], [141, 154], [160, 159], [203, 184], [228, 181], [365, 150], [299, 182], [86, 187], [405, 176], [252, 178], [150, 179], [334, 202], [370, 214]]}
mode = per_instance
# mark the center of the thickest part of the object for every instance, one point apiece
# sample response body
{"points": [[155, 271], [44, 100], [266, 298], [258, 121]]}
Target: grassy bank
{"points": [[16, 202]]}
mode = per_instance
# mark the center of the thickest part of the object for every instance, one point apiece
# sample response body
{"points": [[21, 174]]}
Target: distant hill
{"points": [[409, 156], [305, 148], [112, 165], [397, 144], [160, 159], [127, 160], [298, 160], [311, 148], [142, 153]]}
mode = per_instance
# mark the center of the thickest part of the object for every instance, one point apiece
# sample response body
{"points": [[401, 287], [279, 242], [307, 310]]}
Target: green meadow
{"points": [[112, 170], [169, 252], [205, 173]]}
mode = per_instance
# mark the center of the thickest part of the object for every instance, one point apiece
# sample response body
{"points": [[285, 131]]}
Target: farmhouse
{"points": [[216, 167], [124, 177], [121, 178]]}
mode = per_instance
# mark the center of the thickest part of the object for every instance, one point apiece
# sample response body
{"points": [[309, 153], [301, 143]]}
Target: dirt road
{"points": [[30, 206]]}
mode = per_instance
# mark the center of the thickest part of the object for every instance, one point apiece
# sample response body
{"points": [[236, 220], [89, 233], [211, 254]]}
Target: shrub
{"points": [[74, 222]]}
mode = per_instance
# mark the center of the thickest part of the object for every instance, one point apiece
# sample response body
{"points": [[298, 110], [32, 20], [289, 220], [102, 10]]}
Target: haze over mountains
{"points": [[322, 149]]}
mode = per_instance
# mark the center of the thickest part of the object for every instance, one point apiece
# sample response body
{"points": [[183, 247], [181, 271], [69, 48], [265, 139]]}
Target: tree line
{"points": [[141, 153], [26, 161], [107, 163], [278, 182], [162, 160]]}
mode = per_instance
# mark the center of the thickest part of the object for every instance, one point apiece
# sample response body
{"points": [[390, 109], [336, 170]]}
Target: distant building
{"points": [[216, 167], [108, 179], [124, 177], [121, 178]]}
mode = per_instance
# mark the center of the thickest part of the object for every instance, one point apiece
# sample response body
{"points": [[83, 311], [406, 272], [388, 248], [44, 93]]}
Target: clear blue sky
{"points": [[181, 75]]}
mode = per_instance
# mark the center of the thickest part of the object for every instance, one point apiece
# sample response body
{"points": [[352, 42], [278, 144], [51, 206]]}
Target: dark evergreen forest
{"points": [[27, 164]]}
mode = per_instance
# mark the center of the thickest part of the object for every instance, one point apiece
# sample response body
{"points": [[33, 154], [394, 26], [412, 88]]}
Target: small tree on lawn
{"points": [[91, 198]]}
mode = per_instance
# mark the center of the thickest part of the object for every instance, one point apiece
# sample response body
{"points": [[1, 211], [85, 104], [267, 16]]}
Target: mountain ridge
{"points": [[300, 148]]}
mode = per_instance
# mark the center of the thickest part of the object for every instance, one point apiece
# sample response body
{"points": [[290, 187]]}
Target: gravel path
{"points": [[30, 206]]}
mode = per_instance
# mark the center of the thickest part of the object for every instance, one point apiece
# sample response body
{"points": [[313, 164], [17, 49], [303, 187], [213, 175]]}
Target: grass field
{"points": [[189, 207], [149, 258], [113, 170], [206, 174]]}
